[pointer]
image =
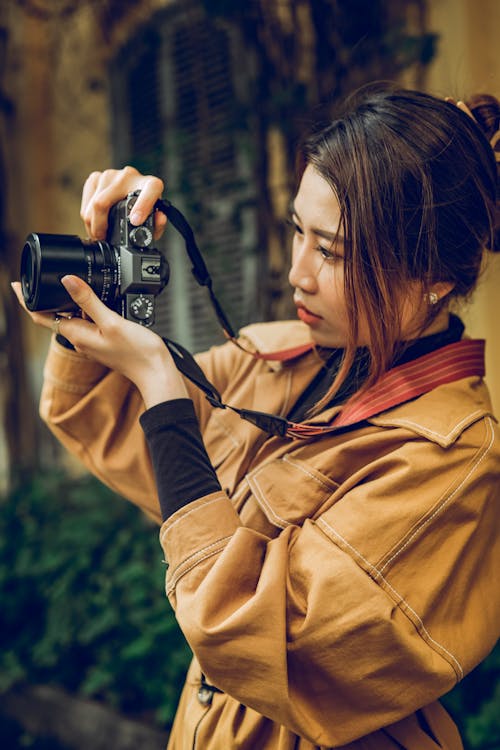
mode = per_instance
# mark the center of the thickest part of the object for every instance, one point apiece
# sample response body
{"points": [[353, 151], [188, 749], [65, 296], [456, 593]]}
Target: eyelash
{"points": [[324, 251]]}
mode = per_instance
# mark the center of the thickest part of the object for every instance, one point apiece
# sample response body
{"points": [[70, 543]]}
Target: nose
{"points": [[303, 274]]}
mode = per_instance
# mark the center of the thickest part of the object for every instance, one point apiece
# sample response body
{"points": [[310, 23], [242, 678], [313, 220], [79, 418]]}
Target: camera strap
{"points": [[203, 278], [464, 358], [199, 268], [187, 365]]}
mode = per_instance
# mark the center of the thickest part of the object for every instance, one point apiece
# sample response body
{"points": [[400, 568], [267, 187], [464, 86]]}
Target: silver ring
{"points": [[55, 324]]}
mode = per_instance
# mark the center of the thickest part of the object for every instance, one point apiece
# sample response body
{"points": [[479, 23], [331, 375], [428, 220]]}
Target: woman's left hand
{"points": [[126, 347]]}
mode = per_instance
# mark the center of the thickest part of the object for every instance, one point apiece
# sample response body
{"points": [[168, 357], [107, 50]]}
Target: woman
{"points": [[335, 581]]}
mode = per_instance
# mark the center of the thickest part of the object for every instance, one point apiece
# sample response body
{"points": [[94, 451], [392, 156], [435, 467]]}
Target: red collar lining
{"points": [[455, 361]]}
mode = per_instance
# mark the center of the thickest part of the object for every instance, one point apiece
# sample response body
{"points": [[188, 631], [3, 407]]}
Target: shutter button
{"points": [[205, 695]]}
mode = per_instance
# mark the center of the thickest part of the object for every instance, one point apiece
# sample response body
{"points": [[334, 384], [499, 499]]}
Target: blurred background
{"points": [[212, 96]]}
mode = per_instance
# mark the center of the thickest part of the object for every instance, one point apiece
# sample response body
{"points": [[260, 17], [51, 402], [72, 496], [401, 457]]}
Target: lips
{"points": [[306, 315]]}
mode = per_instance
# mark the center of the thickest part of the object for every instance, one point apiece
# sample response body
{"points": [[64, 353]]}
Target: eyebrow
{"points": [[331, 236]]}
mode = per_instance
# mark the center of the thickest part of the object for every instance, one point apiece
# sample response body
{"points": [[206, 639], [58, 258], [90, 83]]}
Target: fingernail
{"points": [[135, 217], [70, 283]]}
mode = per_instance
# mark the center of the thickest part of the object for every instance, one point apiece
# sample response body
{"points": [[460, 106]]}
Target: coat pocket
{"points": [[288, 490]]}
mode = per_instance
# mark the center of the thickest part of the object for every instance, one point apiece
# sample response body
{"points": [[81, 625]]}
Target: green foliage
{"points": [[83, 607], [83, 602]]}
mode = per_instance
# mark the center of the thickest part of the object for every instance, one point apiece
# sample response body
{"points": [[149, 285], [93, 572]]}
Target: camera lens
{"points": [[28, 270], [46, 258]]}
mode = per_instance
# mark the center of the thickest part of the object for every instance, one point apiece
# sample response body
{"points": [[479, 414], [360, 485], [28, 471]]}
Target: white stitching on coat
{"points": [[63, 385], [456, 428], [195, 554], [182, 573], [446, 500], [254, 485], [459, 670], [260, 495], [187, 513], [302, 468]]}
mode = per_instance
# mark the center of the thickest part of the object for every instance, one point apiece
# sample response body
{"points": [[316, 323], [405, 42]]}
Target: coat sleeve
{"points": [[94, 413], [317, 628]]}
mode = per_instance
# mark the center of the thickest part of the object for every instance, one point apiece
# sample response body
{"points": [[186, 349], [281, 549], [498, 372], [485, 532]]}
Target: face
{"points": [[317, 271]]}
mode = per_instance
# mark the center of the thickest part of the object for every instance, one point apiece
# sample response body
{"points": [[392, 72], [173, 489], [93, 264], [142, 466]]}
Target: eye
{"points": [[329, 255], [294, 225]]}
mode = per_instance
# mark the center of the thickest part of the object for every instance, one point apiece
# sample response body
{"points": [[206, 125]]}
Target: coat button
{"points": [[205, 695]]}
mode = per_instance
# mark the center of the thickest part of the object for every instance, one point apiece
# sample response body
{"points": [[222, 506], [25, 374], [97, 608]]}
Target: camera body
{"points": [[143, 270], [125, 271]]}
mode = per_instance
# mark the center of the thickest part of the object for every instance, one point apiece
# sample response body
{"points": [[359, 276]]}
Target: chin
{"points": [[330, 341]]}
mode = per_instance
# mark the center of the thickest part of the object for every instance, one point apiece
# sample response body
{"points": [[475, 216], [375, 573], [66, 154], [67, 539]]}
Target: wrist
{"points": [[161, 381]]}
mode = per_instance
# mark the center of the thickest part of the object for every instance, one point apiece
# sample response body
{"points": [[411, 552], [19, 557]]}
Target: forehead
{"points": [[316, 201]]}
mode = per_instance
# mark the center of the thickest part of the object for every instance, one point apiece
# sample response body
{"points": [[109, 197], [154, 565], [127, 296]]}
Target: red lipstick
{"points": [[306, 315]]}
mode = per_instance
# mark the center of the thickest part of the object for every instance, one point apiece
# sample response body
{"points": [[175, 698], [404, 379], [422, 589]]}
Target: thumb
{"points": [[86, 299]]}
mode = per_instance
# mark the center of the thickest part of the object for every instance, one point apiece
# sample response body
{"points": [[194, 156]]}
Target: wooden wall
{"points": [[468, 61]]}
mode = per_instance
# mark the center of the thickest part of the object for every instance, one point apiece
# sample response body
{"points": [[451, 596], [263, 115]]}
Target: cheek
{"points": [[332, 286], [341, 311]]}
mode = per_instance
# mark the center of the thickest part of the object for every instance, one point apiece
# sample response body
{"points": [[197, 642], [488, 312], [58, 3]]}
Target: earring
{"points": [[432, 298]]}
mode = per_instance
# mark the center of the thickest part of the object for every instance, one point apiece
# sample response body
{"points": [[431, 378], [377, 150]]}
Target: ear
{"points": [[441, 289]]}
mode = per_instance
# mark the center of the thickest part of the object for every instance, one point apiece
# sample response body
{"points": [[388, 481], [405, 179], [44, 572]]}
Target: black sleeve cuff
{"points": [[182, 468], [64, 342]]}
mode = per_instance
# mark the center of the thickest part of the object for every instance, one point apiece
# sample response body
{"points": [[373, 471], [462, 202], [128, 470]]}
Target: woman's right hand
{"points": [[103, 189]]}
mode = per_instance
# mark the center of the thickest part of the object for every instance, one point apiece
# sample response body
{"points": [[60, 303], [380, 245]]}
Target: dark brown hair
{"points": [[486, 111], [416, 181]]}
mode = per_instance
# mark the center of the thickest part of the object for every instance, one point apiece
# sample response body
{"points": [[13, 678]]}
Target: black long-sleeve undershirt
{"points": [[182, 467]]}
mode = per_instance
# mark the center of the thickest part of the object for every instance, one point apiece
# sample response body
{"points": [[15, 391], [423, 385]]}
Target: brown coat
{"points": [[337, 587]]}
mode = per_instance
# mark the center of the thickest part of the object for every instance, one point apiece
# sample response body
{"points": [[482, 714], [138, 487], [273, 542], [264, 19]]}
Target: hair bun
{"points": [[486, 111]]}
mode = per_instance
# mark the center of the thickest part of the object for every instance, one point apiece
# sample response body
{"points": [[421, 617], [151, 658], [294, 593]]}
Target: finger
{"points": [[151, 189], [39, 318], [460, 105], [17, 289], [114, 185], [88, 192], [160, 222], [87, 301], [46, 320], [76, 330], [108, 190], [102, 190]]}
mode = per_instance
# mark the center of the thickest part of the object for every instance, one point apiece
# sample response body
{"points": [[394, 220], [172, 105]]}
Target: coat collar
{"points": [[276, 336], [402, 385], [447, 407]]}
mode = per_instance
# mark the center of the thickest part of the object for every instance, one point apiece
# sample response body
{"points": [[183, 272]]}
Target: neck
{"points": [[440, 323]]}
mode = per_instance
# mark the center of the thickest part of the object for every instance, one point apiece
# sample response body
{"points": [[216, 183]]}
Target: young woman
{"points": [[333, 581]]}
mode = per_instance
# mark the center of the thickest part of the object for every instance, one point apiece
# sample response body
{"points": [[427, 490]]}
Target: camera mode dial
{"points": [[141, 236], [142, 308]]}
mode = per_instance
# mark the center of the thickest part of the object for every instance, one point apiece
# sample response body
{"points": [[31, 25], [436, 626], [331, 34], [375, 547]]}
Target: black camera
{"points": [[125, 272]]}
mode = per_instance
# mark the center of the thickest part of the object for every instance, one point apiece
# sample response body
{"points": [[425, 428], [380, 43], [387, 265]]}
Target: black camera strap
{"points": [[187, 365], [199, 269]]}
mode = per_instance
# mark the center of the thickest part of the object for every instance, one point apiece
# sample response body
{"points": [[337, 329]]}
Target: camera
{"points": [[125, 272]]}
